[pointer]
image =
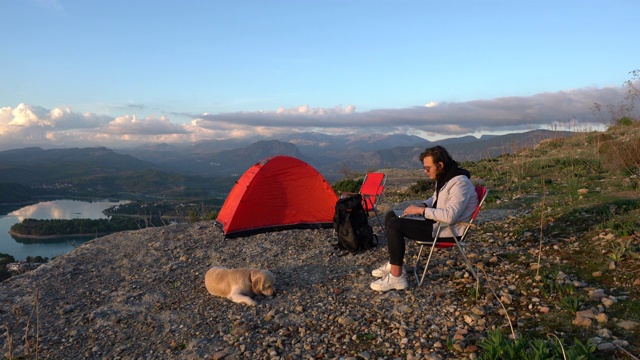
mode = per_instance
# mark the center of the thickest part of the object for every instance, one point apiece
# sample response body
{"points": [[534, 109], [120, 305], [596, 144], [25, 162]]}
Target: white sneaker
{"points": [[390, 282], [383, 270]]}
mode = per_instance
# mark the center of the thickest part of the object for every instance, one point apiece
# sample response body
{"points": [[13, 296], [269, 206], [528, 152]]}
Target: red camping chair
{"points": [[458, 242], [371, 189]]}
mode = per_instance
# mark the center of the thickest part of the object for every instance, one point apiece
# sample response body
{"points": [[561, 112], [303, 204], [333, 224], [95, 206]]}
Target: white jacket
{"points": [[457, 200]]}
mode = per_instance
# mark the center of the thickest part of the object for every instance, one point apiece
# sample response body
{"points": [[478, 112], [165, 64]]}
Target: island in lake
{"points": [[39, 229]]}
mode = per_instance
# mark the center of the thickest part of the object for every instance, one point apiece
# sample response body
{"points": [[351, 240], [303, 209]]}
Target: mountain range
{"points": [[214, 165], [327, 153]]}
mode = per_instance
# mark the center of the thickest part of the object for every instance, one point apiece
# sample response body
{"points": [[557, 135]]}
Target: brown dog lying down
{"points": [[238, 285]]}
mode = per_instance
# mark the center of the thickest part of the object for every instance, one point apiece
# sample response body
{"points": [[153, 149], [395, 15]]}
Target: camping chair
{"points": [[458, 241], [371, 189]]}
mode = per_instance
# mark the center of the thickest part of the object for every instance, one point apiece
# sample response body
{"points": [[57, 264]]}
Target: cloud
{"points": [[130, 125], [30, 125], [447, 118], [137, 106], [25, 116]]}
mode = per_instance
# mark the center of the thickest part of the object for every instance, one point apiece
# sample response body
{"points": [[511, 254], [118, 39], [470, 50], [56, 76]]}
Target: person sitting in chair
{"points": [[454, 200]]}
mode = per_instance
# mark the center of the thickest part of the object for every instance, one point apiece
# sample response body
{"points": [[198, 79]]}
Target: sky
{"points": [[77, 73]]}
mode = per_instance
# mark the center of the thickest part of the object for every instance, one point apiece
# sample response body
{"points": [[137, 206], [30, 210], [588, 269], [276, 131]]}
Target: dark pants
{"points": [[398, 228]]}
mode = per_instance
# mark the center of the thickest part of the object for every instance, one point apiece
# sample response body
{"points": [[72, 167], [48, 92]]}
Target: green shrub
{"points": [[570, 303], [422, 186], [625, 121], [347, 185], [6, 258]]}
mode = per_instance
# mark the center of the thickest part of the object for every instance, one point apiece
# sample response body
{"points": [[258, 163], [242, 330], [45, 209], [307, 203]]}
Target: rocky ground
{"points": [[140, 295]]}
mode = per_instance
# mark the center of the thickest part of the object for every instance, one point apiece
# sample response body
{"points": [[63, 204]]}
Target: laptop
{"points": [[412, 217]]}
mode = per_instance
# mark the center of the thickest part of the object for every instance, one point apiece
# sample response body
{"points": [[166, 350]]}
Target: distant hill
{"points": [[35, 166], [331, 159], [316, 144], [91, 172], [212, 159]]}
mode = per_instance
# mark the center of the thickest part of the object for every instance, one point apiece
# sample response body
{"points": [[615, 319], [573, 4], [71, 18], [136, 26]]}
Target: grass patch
{"points": [[497, 346]]}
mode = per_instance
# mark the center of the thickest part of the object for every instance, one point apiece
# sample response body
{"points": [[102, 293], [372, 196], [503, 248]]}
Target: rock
{"points": [[596, 274], [345, 320], [588, 313], [605, 333], [506, 298], [605, 346], [579, 284], [582, 321], [608, 301], [594, 340], [628, 324], [608, 236], [478, 310], [219, 355], [597, 294], [583, 191], [471, 319], [459, 346], [433, 357], [602, 318], [621, 343], [471, 349]]}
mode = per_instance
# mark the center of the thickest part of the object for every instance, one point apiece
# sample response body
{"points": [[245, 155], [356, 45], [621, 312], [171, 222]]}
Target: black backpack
{"points": [[351, 225]]}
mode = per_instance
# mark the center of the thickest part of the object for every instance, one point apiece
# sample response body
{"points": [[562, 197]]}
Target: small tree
{"points": [[193, 216]]}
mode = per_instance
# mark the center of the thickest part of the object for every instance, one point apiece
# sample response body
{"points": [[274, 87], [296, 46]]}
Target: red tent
{"points": [[277, 193]]}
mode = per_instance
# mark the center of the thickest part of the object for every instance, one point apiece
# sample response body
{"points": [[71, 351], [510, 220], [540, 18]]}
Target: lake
{"points": [[48, 210]]}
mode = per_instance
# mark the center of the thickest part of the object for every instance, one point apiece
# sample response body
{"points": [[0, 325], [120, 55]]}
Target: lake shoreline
{"points": [[56, 236]]}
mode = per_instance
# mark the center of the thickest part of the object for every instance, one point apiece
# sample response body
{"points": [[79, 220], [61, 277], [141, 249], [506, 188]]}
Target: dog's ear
{"points": [[257, 281]]}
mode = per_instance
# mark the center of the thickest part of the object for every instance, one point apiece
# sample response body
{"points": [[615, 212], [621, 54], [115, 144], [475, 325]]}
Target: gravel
{"points": [[141, 295]]}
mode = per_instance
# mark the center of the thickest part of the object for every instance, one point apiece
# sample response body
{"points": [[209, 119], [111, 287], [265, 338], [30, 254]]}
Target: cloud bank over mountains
{"points": [[32, 125]]}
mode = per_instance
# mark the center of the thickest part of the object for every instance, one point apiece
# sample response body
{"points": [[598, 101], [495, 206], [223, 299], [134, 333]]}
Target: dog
{"points": [[238, 285]]}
